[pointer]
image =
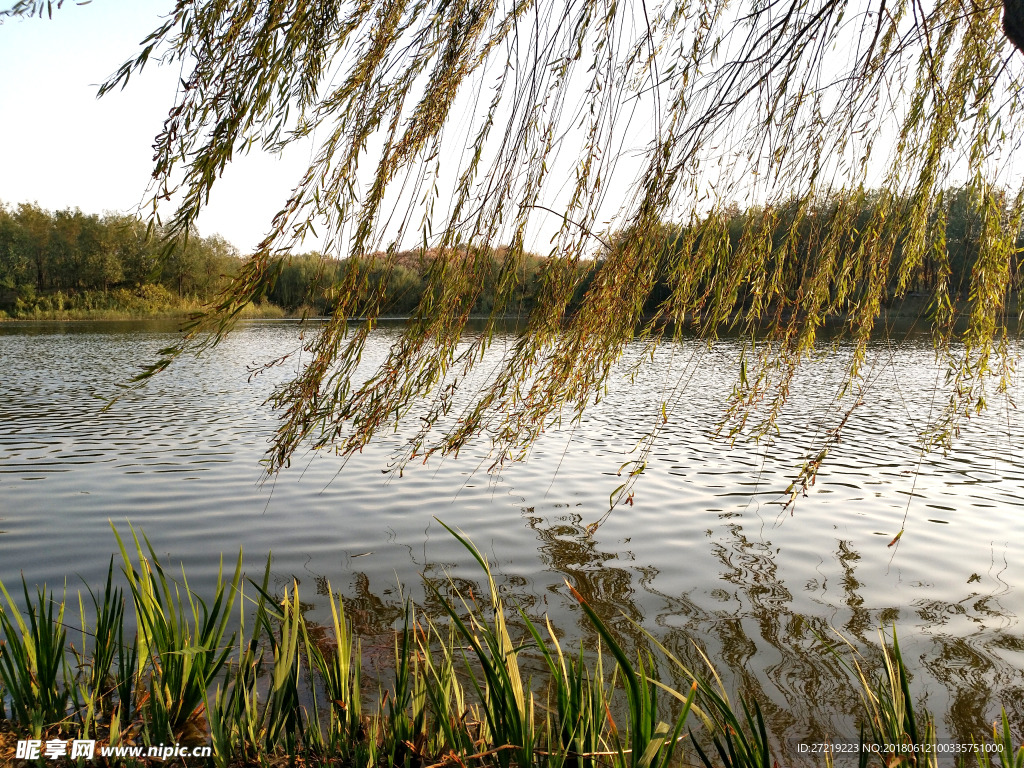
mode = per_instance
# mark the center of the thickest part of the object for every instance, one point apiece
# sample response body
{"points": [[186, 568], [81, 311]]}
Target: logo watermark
{"points": [[76, 749]]}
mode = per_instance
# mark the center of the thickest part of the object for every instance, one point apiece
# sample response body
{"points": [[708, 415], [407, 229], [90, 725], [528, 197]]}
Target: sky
{"points": [[61, 147]]}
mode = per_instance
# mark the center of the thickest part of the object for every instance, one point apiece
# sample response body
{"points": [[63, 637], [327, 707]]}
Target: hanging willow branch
{"points": [[456, 125]]}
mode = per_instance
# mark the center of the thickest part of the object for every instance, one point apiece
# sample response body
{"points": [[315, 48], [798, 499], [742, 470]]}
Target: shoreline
{"points": [[262, 312]]}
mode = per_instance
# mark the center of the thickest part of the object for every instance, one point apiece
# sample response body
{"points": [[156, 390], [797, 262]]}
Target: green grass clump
{"points": [[32, 660], [459, 694]]}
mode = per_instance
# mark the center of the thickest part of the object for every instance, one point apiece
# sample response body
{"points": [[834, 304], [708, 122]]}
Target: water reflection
{"points": [[760, 645], [706, 555]]}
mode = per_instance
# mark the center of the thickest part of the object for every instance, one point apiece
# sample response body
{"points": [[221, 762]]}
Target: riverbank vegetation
{"points": [[480, 684], [794, 236], [64, 265], [68, 265], [307, 282]]}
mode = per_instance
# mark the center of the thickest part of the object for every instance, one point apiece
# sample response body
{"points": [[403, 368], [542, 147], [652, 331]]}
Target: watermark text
{"points": [[77, 749]]}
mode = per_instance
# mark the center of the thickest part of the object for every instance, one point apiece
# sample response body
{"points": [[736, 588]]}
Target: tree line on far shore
{"points": [[50, 260], [955, 229], [53, 259]]}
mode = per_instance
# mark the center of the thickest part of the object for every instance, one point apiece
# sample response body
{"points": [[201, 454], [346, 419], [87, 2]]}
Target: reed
{"points": [[32, 660], [459, 694]]}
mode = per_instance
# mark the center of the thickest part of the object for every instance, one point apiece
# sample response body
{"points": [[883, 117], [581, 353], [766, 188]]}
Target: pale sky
{"points": [[61, 147]]}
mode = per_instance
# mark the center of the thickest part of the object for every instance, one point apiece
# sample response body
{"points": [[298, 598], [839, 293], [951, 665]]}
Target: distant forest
{"points": [[52, 261], [56, 262], [69, 260]]}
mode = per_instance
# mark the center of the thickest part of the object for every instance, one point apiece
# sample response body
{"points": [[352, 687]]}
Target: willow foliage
{"points": [[458, 124]]}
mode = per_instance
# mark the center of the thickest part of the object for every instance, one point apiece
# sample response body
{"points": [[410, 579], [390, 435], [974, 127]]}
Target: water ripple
{"points": [[707, 552]]}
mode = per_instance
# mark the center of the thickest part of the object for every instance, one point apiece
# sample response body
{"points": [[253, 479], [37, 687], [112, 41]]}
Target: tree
{"points": [[17, 280], [43, 252], [136, 253], [793, 106]]}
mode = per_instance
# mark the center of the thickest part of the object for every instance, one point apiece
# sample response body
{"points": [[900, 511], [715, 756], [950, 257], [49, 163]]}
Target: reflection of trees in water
{"points": [[980, 672], [598, 576], [814, 687], [760, 646], [859, 624], [771, 653]]}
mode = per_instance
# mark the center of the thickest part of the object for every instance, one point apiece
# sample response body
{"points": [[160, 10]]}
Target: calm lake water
{"points": [[706, 553]]}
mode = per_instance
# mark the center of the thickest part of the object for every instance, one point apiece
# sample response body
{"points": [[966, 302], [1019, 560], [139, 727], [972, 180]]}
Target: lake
{"points": [[706, 553]]}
